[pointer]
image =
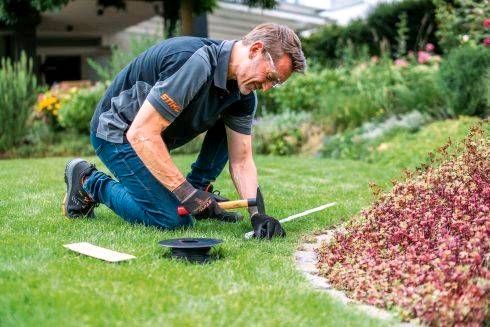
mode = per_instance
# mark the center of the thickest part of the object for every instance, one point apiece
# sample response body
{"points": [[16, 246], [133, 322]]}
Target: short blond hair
{"points": [[278, 40]]}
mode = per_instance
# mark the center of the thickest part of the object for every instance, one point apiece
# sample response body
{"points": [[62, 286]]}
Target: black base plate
{"points": [[191, 249]]}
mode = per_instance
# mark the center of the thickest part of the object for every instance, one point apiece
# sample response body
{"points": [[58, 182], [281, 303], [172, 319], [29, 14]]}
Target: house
{"points": [[81, 30]]}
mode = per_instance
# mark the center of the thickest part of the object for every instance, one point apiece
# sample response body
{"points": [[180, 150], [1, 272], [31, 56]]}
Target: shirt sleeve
{"points": [[172, 94], [239, 116]]}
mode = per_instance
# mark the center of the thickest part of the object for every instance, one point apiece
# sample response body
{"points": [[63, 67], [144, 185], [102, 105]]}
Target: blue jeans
{"points": [[136, 195]]}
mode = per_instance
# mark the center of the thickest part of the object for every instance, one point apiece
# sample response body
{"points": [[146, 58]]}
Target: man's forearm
{"points": [[154, 153], [244, 177]]}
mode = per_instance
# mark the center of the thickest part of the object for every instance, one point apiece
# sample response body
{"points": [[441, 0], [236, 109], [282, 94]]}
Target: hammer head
{"points": [[260, 202]]}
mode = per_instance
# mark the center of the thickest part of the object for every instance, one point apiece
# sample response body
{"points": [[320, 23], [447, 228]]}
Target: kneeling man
{"points": [[164, 98]]}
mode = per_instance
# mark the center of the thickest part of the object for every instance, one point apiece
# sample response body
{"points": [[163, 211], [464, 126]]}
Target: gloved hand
{"points": [[212, 211], [202, 204], [266, 226]]}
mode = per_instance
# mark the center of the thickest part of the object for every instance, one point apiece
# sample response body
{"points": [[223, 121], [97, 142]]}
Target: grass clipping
{"points": [[423, 248]]}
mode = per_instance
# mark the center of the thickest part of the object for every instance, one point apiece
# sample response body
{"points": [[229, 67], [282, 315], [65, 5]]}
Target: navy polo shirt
{"points": [[185, 79]]}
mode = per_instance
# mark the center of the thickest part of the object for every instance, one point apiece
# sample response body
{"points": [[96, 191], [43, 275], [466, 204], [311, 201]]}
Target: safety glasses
{"points": [[272, 76]]}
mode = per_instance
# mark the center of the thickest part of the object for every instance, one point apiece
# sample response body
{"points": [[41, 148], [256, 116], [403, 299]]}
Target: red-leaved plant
{"points": [[423, 248]]}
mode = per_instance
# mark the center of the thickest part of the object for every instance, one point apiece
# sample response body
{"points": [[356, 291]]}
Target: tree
{"points": [[17, 12], [21, 17]]}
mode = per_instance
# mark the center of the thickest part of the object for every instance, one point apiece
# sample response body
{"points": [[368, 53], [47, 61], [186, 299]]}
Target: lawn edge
{"points": [[306, 261]]}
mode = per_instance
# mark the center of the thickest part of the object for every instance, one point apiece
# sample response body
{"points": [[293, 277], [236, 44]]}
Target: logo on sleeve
{"points": [[170, 102]]}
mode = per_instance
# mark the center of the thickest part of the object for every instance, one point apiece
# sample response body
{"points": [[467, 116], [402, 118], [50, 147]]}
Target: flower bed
{"points": [[423, 248]]}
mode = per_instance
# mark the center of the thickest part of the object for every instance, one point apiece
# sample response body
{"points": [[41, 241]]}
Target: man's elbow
{"points": [[136, 135], [132, 134]]}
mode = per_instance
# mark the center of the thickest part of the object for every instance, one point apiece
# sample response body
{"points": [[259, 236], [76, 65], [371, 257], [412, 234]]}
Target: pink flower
{"points": [[486, 23], [429, 47], [486, 41], [374, 59], [423, 57], [401, 63]]}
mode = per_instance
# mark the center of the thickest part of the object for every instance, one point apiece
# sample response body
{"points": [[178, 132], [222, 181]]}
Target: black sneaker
{"points": [[77, 203], [216, 194]]}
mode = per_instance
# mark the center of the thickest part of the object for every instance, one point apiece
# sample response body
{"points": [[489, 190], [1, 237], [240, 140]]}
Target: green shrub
{"points": [[321, 46], [325, 46], [18, 92], [42, 141], [39, 133], [419, 90], [420, 22], [301, 92], [282, 134], [121, 57], [64, 143], [349, 109], [361, 142], [463, 79], [77, 110], [345, 97], [460, 22], [402, 143]]}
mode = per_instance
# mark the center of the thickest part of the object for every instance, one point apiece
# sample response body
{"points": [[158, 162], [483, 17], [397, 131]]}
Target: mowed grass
{"points": [[251, 283]]}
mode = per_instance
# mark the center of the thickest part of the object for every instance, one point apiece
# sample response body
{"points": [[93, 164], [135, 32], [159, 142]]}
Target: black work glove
{"points": [[201, 204], [266, 226]]}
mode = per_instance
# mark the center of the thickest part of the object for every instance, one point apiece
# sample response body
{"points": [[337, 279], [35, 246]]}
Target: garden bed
{"points": [[423, 248], [307, 262]]}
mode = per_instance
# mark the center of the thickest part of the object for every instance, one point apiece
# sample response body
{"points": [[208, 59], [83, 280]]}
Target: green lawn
{"points": [[253, 283]]}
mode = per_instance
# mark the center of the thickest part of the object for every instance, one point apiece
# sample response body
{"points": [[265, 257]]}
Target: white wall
{"points": [[341, 11]]}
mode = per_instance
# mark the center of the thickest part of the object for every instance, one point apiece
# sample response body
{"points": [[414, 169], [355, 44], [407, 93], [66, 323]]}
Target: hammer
{"points": [[252, 202]]}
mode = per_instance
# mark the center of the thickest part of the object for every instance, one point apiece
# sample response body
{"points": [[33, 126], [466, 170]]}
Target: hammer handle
{"points": [[225, 205]]}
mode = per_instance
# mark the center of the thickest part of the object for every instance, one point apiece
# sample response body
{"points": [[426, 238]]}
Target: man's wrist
{"points": [[184, 191], [253, 211]]}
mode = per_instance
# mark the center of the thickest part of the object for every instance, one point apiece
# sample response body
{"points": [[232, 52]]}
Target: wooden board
{"points": [[98, 252]]}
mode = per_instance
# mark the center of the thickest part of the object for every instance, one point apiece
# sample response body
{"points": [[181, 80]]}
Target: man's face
{"points": [[260, 72]]}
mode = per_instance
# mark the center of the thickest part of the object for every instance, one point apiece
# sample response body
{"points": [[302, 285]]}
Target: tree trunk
{"points": [[186, 16]]}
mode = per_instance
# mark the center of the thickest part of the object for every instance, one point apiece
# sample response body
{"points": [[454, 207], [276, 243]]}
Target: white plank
{"points": [[98, 252]]}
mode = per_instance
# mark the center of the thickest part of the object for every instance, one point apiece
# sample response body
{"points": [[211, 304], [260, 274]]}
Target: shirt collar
{"points": [[221, 71]]}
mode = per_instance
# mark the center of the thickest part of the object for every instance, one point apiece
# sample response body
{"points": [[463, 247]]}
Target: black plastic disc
{"points": [[191, 249]]}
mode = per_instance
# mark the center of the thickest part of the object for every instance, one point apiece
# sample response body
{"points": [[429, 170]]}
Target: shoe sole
{"points": [[69, 184]]}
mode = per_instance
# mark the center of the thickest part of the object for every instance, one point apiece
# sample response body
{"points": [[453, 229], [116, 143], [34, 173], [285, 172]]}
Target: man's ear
{"points": [[255, 49]]}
